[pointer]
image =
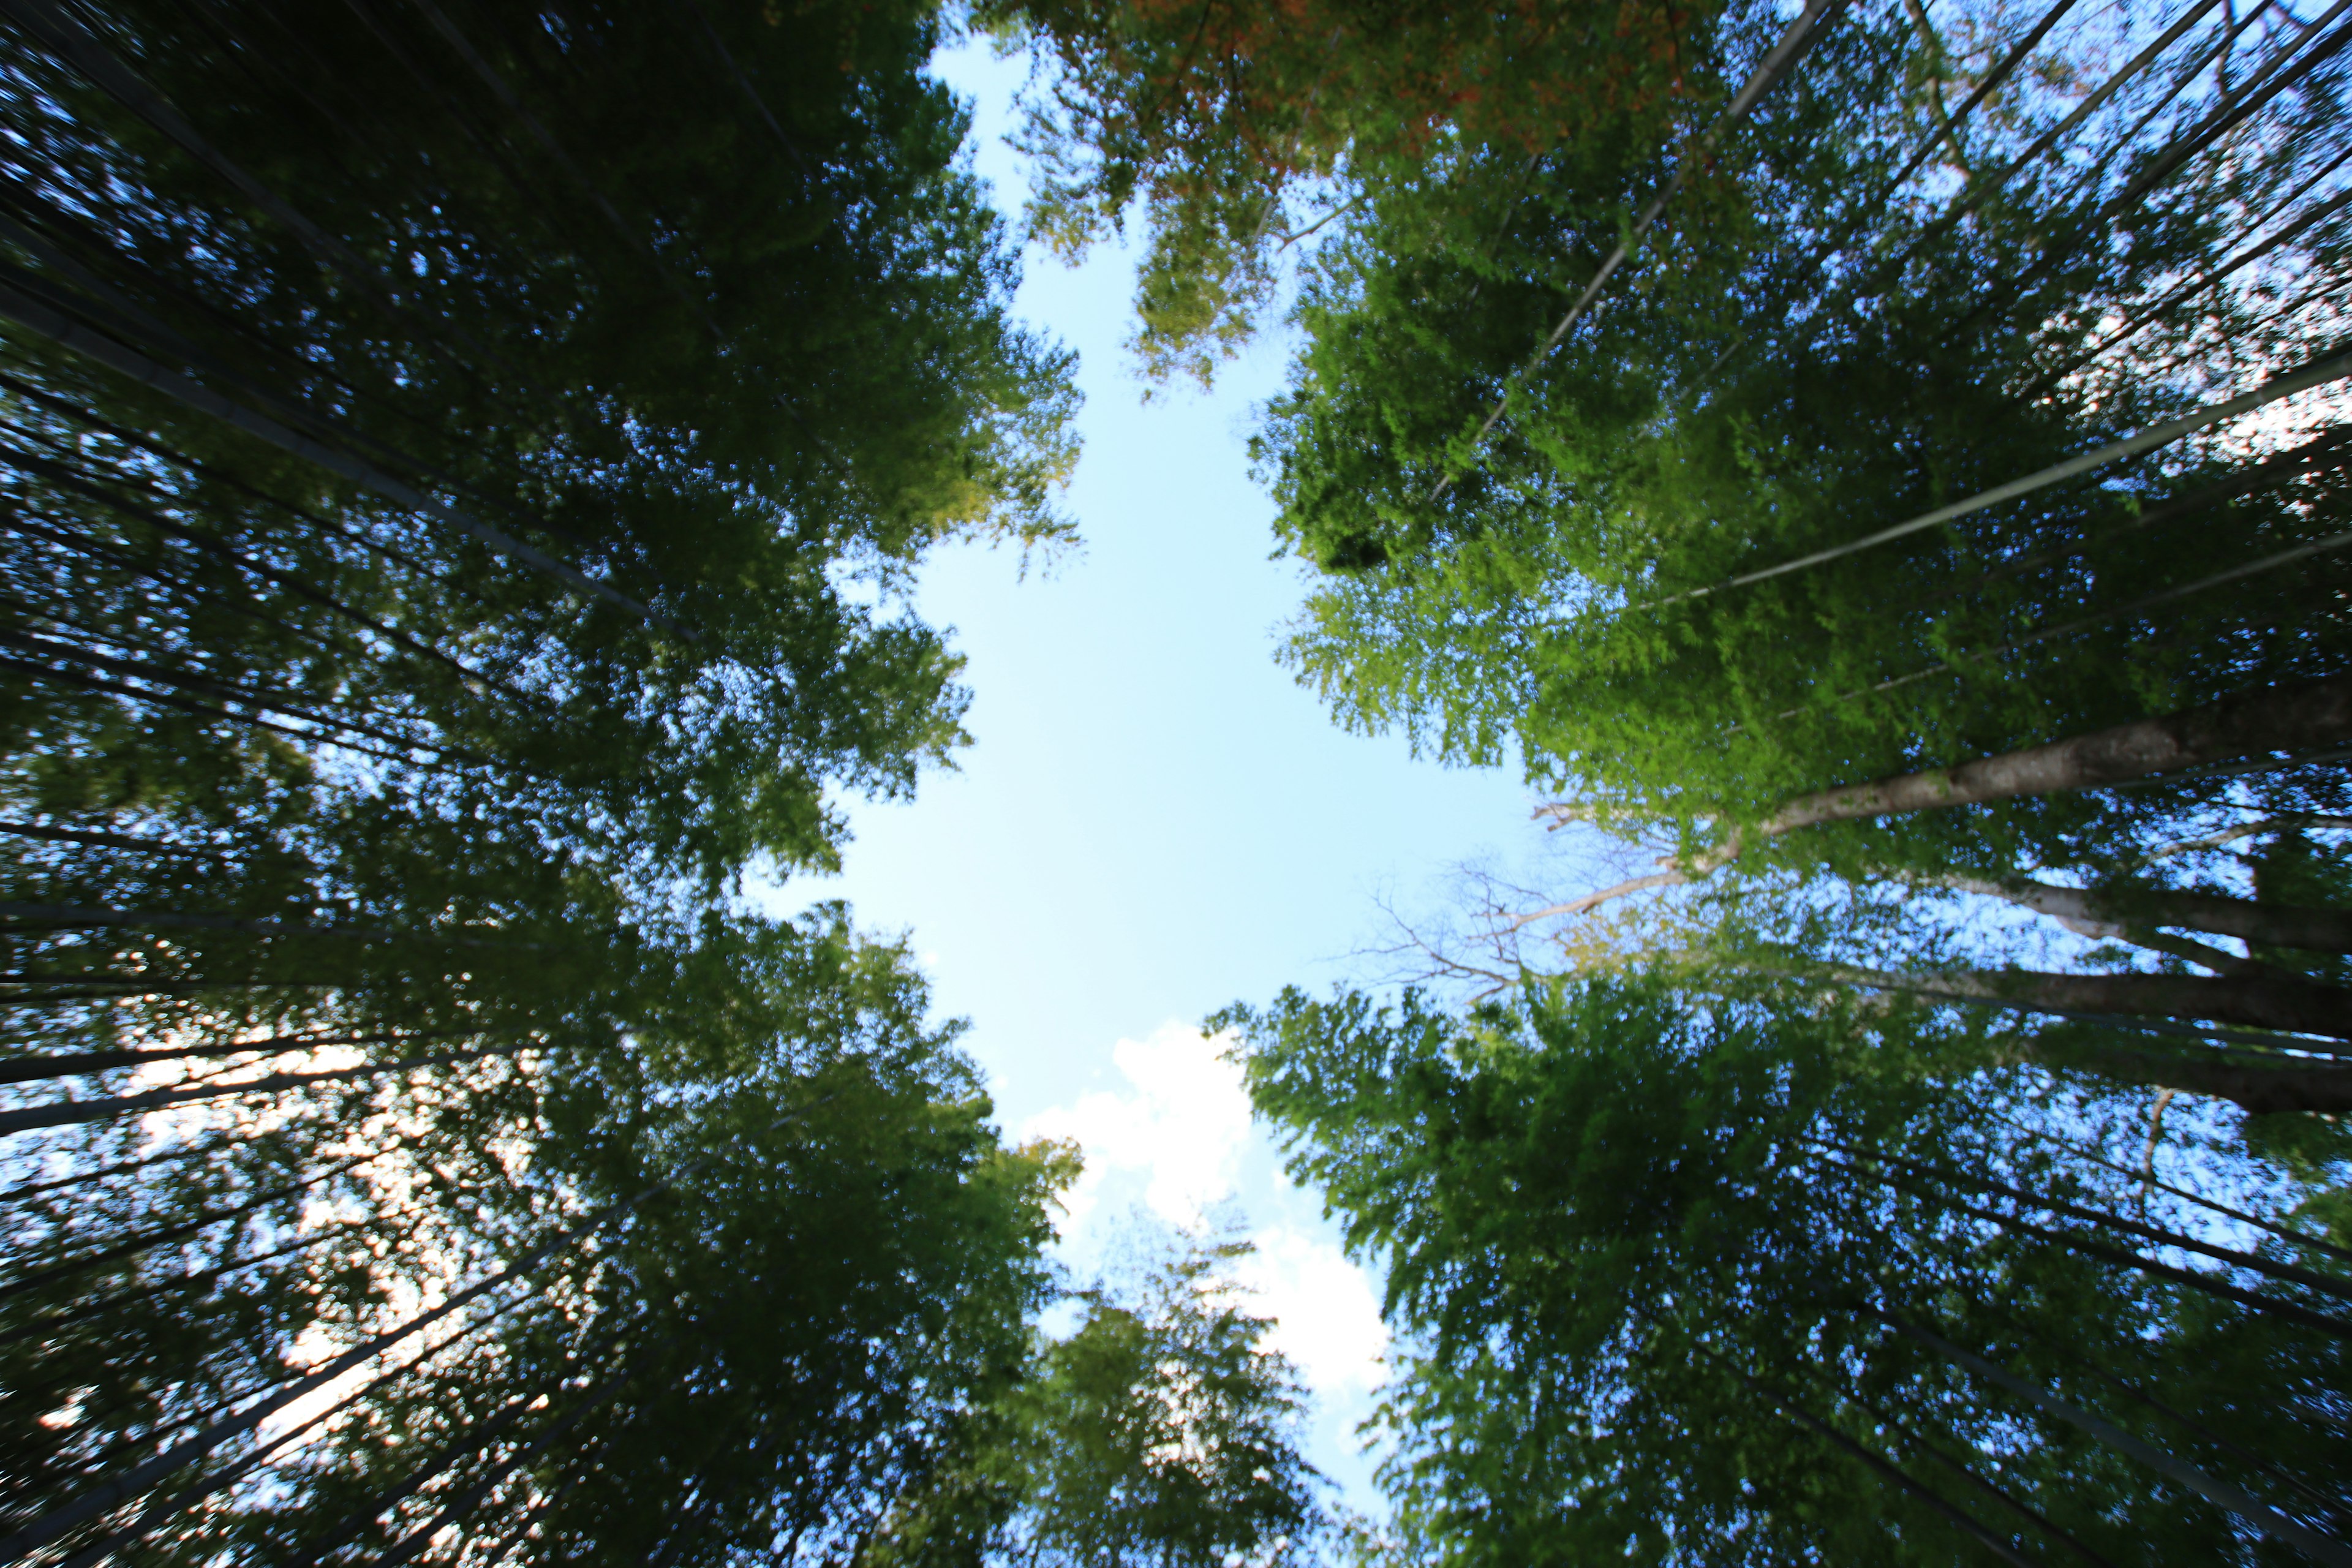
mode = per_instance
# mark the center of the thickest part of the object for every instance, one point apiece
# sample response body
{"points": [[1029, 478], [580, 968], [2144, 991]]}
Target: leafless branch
{"points": [[2243, 830]]}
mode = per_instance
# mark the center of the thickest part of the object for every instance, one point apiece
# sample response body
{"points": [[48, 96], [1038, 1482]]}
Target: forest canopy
{"points": [[1878, 468], [465, 467]]}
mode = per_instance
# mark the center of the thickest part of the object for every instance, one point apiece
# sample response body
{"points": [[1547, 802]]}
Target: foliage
{"points": [[468, 463], [1158, 1432], [1222, 119], [1638, 1242]]}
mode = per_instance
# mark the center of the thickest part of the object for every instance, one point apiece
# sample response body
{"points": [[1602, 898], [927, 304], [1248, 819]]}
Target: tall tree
{"points": [[464, 463], [1160, 1431], [1682, 1277]]}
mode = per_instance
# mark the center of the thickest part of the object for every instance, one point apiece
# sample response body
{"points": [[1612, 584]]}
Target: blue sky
{"points": [[1153, 820]]}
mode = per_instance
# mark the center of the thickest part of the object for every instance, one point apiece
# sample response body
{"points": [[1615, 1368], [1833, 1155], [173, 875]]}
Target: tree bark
{"points": [[2301, 715], [2272, 925], [2298, 1006], [2321, 1087]]}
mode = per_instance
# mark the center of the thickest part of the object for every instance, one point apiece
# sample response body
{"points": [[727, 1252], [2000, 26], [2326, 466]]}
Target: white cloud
{"points": [[1181, 1126], [1326, 1312], [1177, 1139]]}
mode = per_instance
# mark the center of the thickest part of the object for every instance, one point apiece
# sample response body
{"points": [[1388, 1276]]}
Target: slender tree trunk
{"points": [[143, 441], [95, 916], [2269, 1227], [473, 1441], [2292, 717], [2258, 1088], [111, 841], [59, 474], [2262, 1517], [72, 1112], [2272, 925], [83, 1311], [2075, 1241], [144, 1479], [189, 1228], [2295, 1006], [463, 1503], [2287, 1273], [221, 690], [42, 672], [39, 317], [82, 1178], [156, 1512], [2030, 895], [76, 1064], [1876, 1461], [2025, 1510]]}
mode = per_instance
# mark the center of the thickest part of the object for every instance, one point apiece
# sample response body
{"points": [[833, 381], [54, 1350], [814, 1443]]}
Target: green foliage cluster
{"points": [[1157, 1432], [465, 465], [1649, 1249], [1782, 470], [1228, 124]]}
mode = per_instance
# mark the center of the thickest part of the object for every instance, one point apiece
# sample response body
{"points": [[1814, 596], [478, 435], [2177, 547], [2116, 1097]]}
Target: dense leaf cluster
{"points": [[1887, 491], [463, 464]]}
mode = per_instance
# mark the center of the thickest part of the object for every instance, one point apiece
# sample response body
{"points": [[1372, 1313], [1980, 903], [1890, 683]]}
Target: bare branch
{"points": [[2243, 830], [1623, 889]]}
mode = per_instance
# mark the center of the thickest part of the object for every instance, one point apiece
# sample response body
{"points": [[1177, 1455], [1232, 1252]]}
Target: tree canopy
{"points": [[1879, 471], [465, 464]]}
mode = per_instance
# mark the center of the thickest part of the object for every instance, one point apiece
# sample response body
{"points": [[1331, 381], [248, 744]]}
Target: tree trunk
{"points": [[2297, 1006], [95, 916], [463, 1503], [86, 1310], [57, 474], [76, 1064], [111, 841], [2260, 1515], [75, 1111], [2323, 1088], [474, 1440], [2272, 925], [38, 317], [189, 1228], [1873, 1460], [2298, 716], [2026, 1511], [2288, 1273], [54, 1523]]}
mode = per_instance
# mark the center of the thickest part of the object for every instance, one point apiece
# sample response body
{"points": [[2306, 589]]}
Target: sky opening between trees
{"points": [[1879, 468]]}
